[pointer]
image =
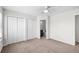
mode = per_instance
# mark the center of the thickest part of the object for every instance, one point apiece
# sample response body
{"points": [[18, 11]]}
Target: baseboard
{"points": [[20, 41], [1, 49], [13, 42], [61, 41]]}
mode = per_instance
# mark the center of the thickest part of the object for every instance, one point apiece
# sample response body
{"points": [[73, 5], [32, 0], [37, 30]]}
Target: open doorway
{"points": [[42, 28]]}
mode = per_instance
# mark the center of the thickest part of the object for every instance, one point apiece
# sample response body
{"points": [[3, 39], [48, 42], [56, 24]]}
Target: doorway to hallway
{"points": [[42, 28]]}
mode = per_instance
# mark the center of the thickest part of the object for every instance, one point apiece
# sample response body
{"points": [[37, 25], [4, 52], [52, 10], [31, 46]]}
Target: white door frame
{"points": [[38, 26]]}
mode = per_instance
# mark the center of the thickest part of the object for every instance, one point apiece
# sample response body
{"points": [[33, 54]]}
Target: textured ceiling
{"points": [[37, 10]]}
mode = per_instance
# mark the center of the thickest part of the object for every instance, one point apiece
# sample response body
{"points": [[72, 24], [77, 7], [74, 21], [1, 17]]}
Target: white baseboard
{"points": [[18, 41], [62, 41]]}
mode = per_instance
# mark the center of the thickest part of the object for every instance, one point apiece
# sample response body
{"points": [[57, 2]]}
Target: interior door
{"points": [[12, 30]]}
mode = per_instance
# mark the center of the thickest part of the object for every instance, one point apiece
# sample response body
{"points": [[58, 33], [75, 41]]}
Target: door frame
{"points": [[38, 26]]}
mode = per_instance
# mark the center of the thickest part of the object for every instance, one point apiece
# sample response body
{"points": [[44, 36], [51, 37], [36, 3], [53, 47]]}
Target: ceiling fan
{"points": [[46, 10]]}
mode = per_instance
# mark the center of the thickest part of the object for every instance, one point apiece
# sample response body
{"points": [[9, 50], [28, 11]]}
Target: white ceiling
{"points": [[37, 10]]}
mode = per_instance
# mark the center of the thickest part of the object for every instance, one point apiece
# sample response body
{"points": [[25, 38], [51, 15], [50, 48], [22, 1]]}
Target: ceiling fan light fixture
{"points": [[46, 11]]}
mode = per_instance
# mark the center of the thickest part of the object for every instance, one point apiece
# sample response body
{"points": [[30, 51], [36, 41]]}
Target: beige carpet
{"points": [[40, 46]]}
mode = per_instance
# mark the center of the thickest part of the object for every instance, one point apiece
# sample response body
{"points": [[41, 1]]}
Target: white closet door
{"points": [[12, 30], [21, 29], [30, 29]]}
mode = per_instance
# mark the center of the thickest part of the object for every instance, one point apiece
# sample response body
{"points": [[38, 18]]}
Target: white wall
{"points": [[62, 27], [32, 29], [1, 29], [16, 14], [0, 24]]}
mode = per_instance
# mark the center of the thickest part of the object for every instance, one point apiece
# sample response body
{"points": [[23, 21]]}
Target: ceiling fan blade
{"points": [[47, 7]]}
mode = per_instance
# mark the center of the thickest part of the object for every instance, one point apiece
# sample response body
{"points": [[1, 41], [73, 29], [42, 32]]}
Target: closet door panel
{"points": [[30, 28], [12, 30], [21, 29]]}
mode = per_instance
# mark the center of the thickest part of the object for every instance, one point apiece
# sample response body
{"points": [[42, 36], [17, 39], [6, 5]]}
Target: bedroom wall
{"points": [[62, 27]]}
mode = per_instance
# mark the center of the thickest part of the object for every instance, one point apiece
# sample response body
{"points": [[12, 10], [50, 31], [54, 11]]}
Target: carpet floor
{"points": [[40, 46]]}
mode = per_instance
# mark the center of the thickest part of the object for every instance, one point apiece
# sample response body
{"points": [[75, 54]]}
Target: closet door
{"points": [[30, 29], [12, 30], [21, 29]]}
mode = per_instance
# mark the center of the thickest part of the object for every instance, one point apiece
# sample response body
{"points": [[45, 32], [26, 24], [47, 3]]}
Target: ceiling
{"points": [[37, 10]]}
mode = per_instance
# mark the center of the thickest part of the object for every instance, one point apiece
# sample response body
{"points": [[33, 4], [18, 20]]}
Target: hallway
{"points": [[40, 46]]}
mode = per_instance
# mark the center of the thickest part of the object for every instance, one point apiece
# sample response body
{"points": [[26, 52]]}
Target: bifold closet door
{"points": [[16, 29], [30, 29], [12, 34], [22, 29]]}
